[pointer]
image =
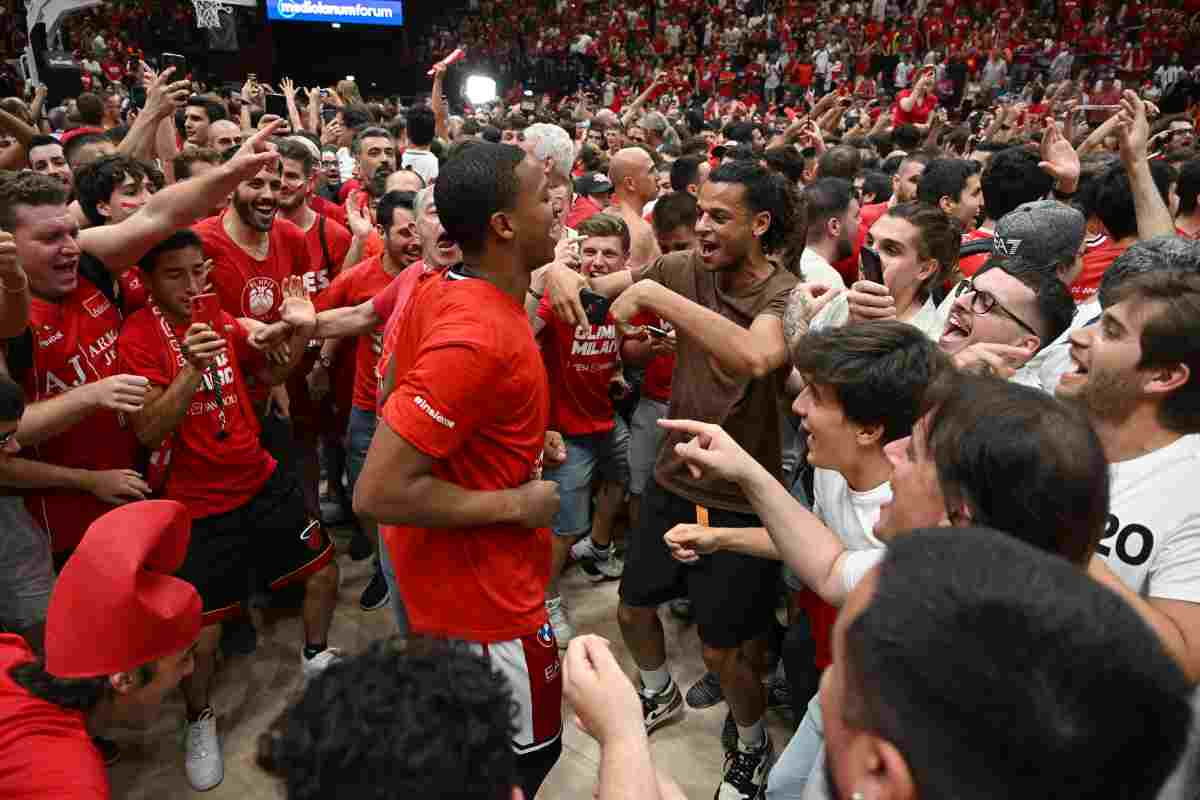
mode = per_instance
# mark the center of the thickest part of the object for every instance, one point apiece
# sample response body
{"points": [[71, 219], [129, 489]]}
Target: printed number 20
{"points": [[1129, 537]]}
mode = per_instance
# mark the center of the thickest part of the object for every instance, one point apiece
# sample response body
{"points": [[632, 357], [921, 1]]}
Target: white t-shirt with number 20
{"points": [[1152, 540]]}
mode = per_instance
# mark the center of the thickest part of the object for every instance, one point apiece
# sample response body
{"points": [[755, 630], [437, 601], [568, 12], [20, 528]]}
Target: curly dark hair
{"points": [[406, 719], [766, 191]]}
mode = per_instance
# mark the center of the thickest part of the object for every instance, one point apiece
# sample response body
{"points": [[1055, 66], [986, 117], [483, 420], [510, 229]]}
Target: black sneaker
{"points": [[110, 751], [376, 594], [746, 771], [658, 709], [706, 692]]}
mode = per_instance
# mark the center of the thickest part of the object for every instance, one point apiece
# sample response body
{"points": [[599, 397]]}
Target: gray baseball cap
{"points": [[1045, 233]]}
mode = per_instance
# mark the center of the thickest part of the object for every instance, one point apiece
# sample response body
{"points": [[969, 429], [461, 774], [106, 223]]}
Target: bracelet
{"points": [[1063, 196], [536, 296], [19, 290]]}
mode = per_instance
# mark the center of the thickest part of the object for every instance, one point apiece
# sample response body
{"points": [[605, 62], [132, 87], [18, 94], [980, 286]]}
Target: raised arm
{"points": [[441, 117], [756, 351], [289, 95], [14, 290], [120, 246], [1133, 130], [162, 98]]}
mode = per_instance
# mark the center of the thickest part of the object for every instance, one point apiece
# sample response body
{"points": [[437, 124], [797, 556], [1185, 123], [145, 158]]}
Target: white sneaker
{"points": [[312, 667], [202, 759], [583, 549], [559, 620]]}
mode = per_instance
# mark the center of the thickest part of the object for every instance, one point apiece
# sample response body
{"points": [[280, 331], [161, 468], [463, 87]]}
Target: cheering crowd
{"points": [[866, 339]]}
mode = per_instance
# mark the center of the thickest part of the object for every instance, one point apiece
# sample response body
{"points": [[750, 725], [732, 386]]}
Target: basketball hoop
{"points": [[208, 13]]}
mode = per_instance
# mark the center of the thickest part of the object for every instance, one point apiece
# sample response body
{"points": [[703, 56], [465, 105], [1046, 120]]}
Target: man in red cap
{"points": [[120, 635]]}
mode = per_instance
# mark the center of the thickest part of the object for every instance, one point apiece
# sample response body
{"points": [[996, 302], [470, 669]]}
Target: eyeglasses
{"points": [[984, 302]]}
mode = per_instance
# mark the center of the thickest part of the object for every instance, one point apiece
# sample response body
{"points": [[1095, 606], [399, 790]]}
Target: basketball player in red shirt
{"points": [[453, 474]]}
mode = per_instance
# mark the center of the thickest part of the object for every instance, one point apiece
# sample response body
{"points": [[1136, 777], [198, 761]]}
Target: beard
{"points": [[1107, 396], [254, 219]]}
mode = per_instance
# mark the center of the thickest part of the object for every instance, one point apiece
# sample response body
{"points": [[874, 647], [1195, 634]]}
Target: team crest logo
{"points": [[545, 635], [258, 298]]}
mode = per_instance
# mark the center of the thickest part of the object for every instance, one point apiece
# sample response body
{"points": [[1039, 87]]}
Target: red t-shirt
{"points": [[969, 265], [334, 211], [349, 186], [206, 474], [353, 287], [1096, 261], [656, 381], [113, 70], [580, 361], [919, 115], [246, 286], [337, 241], [75, 342], [473, 397], [45, 749], [584, 207]]}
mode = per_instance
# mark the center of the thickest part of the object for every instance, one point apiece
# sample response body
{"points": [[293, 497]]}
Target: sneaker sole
{"points": [[674, 710]]}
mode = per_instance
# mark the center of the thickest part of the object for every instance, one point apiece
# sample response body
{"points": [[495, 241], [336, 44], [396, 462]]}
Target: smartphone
{"points": [[1097, 108], [178, 62], [329, 114], [276, 104], [594, 305], [872, 266], [206, 308]]}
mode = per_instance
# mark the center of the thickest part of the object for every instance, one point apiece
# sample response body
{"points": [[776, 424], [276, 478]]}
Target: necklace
{"points": [[211, 376]]}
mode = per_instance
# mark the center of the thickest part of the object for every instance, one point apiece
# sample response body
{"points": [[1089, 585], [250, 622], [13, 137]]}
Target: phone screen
{"points": [[872, 266], [178, 62], [206, 308], [276, 104]]}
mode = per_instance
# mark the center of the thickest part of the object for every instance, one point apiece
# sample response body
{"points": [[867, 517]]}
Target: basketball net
{"points": [[208, 13]]}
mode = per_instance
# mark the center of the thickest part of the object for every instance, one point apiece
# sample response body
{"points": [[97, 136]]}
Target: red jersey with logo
{"points": [[247, 286], [353, 287], [580, 361], [656, 382], [45, 749], [75, 342], [474, 397], [209, 475]]}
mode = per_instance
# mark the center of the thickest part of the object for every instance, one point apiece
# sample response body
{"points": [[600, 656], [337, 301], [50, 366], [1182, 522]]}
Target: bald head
{"points": [[224, 134], [632, 174]]}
